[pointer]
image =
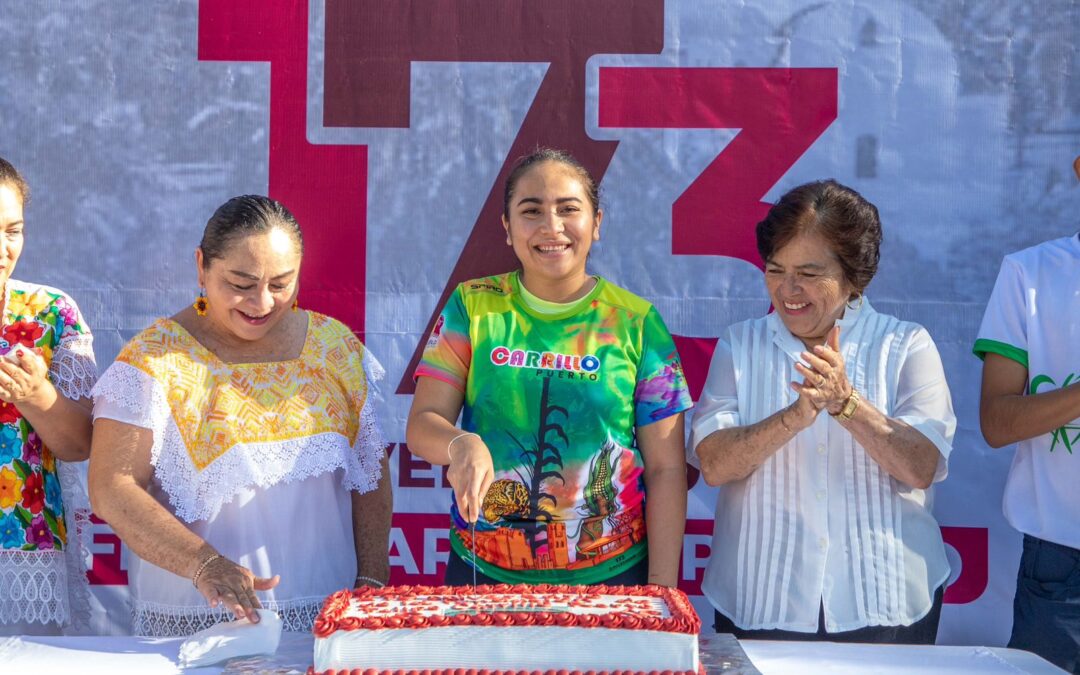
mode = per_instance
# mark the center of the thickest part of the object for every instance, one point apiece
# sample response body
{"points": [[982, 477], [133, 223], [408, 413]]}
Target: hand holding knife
{"points": [[470, 473]]}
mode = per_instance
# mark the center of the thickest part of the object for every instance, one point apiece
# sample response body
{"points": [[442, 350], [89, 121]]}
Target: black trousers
{"points": [[460, 573], [922, 632]]}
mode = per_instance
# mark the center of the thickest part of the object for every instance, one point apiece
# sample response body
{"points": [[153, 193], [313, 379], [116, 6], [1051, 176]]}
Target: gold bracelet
{"points": [[202, 568]]}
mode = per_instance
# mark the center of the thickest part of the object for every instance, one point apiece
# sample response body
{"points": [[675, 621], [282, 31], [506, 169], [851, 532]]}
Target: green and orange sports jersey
{"points": [[557, 399]]}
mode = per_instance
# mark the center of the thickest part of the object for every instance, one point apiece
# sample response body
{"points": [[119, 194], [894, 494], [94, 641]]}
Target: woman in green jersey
{"points": [[568, 464]]}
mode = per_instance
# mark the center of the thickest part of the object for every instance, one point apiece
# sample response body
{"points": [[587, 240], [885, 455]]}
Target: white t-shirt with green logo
{"points": [[1033, 318]]}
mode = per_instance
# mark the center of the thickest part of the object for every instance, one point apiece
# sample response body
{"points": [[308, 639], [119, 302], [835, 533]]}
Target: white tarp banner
{"points": [[387, 126]]}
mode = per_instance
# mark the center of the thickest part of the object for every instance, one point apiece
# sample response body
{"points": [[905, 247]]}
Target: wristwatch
{"points": [[850, 406]]}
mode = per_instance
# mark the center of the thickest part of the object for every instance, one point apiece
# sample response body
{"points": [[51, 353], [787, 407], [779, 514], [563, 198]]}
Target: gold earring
{"points": [[859, 305], [201, 304], [295, 304]]}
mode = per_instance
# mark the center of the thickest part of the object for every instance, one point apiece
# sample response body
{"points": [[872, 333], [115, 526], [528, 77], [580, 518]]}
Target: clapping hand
{"points": [[825, 384], [23, 374]]}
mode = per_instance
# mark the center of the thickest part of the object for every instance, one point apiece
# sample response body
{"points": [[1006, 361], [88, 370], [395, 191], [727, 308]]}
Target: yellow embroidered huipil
{"points": [[256, 458]]}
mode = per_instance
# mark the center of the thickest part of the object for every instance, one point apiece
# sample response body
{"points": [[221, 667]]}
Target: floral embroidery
{"points": [[67, 312], [10, 489], [10, 444], [61, 531], [21, 304], [31, 449], [52, 490], [33, 493], [39, 533], [12, 533], [31, 504], [24, 333], [9, 414]]}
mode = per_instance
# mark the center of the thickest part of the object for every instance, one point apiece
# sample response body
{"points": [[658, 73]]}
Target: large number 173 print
{"points": [[369, 49]]}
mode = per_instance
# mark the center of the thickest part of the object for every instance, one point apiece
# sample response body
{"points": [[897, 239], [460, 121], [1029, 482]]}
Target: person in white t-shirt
{"points": [[1030, 345], [823, 526]]}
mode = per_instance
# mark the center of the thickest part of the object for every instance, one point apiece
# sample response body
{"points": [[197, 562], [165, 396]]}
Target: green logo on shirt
{"points": [[1067, 434]]}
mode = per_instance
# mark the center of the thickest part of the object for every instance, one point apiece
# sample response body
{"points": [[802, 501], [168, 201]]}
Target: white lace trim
{"points": [[51, 586], [157, 620], [73, 369], [33, 587], [370, 441], [142, 400], [80, 535], [197, 495]]}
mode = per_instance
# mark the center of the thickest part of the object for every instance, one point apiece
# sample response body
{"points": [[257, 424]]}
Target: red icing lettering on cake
{"points": [[504, 605]]}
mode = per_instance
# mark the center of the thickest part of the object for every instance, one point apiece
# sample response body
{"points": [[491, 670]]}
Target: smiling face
{"points": [[807, 287], [253, 285], [11, 230], [551, 226]]}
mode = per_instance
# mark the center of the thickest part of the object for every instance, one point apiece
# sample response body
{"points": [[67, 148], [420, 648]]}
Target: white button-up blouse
{"points": [[820, 524]]}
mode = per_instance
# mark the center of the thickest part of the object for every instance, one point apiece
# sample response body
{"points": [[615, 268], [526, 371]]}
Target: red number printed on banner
{"points": [[414, 472], [780, 112], [107, 560], [972, 545]]}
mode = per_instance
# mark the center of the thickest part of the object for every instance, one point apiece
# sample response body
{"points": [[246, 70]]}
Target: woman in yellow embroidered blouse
{"points": [[236, 450]]}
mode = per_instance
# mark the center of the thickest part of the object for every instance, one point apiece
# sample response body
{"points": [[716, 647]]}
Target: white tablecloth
{"points": [[776, 658], [157, 656]]}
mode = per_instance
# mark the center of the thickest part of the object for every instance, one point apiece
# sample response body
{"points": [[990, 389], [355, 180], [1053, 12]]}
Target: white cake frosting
{"points": [[502, 628]]}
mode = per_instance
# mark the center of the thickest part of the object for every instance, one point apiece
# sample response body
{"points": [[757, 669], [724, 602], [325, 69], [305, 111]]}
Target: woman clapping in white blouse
{"points": [[823, 522]]}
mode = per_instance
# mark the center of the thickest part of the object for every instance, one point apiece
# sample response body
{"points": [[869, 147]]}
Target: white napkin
{"points": [[231, 639]]}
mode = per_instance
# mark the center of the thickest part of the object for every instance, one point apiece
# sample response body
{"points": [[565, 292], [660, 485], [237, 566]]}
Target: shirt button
{"points": [[821, 449], [823, 543], [820, 495]]}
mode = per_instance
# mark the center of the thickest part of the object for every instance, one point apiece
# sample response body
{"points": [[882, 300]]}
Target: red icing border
{"points": [[461, 671], [683, 618]]}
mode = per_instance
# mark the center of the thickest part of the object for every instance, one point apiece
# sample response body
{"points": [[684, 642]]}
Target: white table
{"points": [[153, 656], [776, 658]]}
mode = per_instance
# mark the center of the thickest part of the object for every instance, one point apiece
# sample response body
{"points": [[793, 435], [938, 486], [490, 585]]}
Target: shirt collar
{"points": [[793, 346]]}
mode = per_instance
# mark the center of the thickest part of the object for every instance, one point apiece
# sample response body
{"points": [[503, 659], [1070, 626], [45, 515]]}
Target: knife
{"points": [[472, 538]]}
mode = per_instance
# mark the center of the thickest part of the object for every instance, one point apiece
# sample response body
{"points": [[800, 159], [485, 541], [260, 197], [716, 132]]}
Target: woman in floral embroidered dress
{"points": [[236, 449], [46, 375]]}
